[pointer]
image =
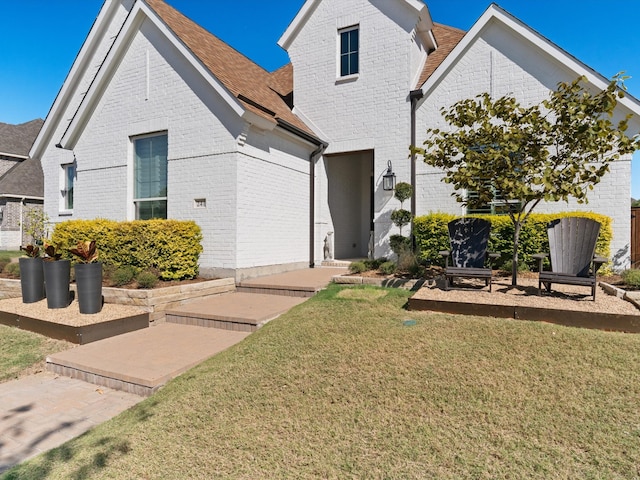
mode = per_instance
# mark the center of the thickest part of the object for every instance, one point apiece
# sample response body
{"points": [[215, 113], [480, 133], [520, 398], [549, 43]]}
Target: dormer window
{"points": [[349, 51]]}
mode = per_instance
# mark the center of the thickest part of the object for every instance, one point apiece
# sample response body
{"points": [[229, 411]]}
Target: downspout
{"points": [[322, 146], [312, 201], [414, 96]]}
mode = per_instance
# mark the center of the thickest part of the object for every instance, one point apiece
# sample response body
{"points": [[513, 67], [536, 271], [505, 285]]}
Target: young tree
{"points": [[518, 156]]}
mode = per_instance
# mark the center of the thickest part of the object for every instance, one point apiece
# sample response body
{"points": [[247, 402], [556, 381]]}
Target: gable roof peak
{"points": [[424, 24]]}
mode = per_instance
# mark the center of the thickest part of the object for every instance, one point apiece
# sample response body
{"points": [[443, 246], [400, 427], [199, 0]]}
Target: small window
{"points": [[349, 51], [67, 190], [150, 177], [499, 205]]}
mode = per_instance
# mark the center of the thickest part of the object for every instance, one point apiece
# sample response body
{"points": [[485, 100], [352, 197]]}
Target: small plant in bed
{"points": [[631, 278], [146, 279], [11, 270], [122, 276]]}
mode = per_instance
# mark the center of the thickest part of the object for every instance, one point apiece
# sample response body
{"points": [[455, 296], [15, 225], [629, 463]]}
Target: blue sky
{"points": [[41, 38]]}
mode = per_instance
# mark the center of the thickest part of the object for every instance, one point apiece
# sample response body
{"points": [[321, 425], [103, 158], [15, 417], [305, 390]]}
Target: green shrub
{"points": [[122, 275], [399, 244], [12, 269], [3, 263], [146, 279], [374, 264], [170, 246], [403, 191], [400, 218], [388, 268], [432, 236], [358, 267], [522, 266], [632, 277]]}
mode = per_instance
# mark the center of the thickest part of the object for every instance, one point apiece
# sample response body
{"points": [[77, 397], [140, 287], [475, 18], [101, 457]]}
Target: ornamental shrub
{"points": [[374, 264], [122, 275], [172, 247], [387, 268], [432, 236], [358, 267], [146, 279]]}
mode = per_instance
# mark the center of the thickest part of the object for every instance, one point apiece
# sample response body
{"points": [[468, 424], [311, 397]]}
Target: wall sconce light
{"points": [[389, 179]]}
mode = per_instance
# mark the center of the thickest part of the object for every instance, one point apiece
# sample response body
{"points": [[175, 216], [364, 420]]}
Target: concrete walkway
{"points": [[43, 411]]}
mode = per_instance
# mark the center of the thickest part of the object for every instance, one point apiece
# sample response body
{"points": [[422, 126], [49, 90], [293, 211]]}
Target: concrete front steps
{"points": [[255, 301], [141, 362]]}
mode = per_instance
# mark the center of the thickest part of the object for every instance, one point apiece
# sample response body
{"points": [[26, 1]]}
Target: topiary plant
{"points": [[403, 192]]}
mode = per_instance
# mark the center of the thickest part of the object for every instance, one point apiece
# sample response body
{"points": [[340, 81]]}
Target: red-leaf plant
{"points": [[86, 251], [32, 251]]}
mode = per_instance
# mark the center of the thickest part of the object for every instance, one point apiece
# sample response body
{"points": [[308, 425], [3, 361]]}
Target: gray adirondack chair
{"points": [[572, 245], [468, 256]]}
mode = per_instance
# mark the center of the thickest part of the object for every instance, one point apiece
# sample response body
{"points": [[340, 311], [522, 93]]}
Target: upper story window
{"points": [[69, 176], [150, 177], [349, 51]]}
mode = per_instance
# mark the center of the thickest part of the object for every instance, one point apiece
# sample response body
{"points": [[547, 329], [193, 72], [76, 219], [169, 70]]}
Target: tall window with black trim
{"points": [[150, 177]]}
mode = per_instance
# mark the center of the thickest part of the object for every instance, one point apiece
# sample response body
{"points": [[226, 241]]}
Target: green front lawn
{"points": [[350, 385], [23, 352]]}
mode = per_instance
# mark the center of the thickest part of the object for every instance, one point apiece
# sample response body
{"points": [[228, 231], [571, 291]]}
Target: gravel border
{"points": [[562, 297], [68, 316]]}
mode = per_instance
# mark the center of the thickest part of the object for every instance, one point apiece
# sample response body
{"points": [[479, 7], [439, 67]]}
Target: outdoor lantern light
{"points": [[389, 178]]}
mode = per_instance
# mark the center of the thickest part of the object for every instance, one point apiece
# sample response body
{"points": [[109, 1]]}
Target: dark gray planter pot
{"points": [[57, 275], [89, 286], [31, 279]]}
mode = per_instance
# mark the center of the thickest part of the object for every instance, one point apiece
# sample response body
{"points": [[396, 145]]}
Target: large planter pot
{"points": [[89, 287], [31, 279], [57, 275]]}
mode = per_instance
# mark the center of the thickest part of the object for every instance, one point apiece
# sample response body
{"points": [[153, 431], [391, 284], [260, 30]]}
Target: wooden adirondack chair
{"points": [[572, 245], [469, 239]]}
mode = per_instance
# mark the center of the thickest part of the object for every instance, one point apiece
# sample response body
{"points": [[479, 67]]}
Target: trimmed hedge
{"points": [[170, 247], [432, 235]]}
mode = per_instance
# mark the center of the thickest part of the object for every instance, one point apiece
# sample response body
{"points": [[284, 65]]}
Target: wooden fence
{"points": [[635, 237]]}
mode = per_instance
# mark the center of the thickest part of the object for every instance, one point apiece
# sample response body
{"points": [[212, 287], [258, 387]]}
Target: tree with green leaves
{"points": [[518, 156]]}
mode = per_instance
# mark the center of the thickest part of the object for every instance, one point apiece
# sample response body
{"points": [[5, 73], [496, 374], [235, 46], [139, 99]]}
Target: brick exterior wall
{"points": [[53, 158], [371, 112], [501, 63], [247, 189]]}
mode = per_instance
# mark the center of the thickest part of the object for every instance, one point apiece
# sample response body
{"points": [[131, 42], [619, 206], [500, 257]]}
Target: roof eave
{"points": [[74, 77]]}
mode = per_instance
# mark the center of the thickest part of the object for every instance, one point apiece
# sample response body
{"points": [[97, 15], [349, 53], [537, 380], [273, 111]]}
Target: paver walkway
{"points": [[42, 411]]}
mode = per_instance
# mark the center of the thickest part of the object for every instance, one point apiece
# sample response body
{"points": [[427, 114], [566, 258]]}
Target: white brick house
{"points": [[158, 117]]}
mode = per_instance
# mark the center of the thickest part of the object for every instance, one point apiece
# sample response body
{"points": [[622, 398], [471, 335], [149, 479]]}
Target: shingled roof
{"points": [[247, 81], [17, 139], [447, 38], [25, 179], [270, 95]]}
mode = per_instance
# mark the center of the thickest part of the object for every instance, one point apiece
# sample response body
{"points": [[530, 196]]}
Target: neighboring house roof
{"points": [[25, 179], [16, 140]]}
